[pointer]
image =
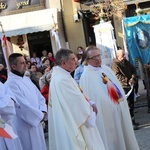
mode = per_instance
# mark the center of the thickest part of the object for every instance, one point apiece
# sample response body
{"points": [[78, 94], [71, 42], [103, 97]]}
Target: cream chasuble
{"points": [[113, 119], [67, 116]]}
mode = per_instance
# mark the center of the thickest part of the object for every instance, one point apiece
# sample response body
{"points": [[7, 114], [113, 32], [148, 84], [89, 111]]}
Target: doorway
{"points": [[39, 41]]}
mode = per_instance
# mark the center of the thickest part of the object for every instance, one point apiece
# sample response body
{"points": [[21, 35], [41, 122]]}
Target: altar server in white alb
{"points": [[69, 111], [7, 114], [113, 120], [32, 105]]}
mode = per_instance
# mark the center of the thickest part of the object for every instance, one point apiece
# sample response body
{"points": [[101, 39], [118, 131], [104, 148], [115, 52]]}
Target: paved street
{"points": [[141, 116]]}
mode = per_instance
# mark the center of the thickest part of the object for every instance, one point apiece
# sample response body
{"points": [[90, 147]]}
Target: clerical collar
{"points": [[95, 68], [17, 73], [63, 70]]}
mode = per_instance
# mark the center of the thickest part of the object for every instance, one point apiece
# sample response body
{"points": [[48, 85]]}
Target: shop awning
{"points": [[28, 22], [129, 2]]}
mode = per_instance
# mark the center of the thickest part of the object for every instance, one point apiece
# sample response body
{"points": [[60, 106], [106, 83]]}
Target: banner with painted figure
{"points": [[137, 32], [105, 40]]}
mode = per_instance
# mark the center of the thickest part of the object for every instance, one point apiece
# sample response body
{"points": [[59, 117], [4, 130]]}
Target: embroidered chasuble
{"points": [[68, 112], [113, 119]]}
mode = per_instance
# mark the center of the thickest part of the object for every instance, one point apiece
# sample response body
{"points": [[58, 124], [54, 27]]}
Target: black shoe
{"points": [[148, 111], [135, 127], [135, 123]]}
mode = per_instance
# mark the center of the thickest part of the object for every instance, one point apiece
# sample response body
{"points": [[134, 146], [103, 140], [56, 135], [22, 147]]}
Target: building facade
{"points": [[31, 26]]}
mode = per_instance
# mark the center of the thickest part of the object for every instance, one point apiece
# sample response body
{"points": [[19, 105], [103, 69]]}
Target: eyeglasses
{"points": [[96, 57]]}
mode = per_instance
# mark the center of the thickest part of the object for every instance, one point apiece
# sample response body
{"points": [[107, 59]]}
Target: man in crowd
{"points": [[80, 54], [44, 54], [69, 126], [7, 114], [35, 75], [113, 120], [79, 69], [126, 74], [32, 105], [36, 60]]}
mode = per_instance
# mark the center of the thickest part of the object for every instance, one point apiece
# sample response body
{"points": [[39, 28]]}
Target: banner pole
{"points": [[124, 41], [4, 48]]}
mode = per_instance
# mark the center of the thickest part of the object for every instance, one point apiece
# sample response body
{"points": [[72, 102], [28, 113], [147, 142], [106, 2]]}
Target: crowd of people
{"points": [[82, 103]]}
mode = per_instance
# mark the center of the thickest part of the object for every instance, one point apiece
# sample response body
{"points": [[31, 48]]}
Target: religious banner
{"points": [[137, 38], [56, 36], [105, 40]]}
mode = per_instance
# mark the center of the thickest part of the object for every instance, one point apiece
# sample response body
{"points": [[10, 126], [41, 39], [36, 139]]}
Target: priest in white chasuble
{"points": [[7, 114], [100, 84], [71, 121]]}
